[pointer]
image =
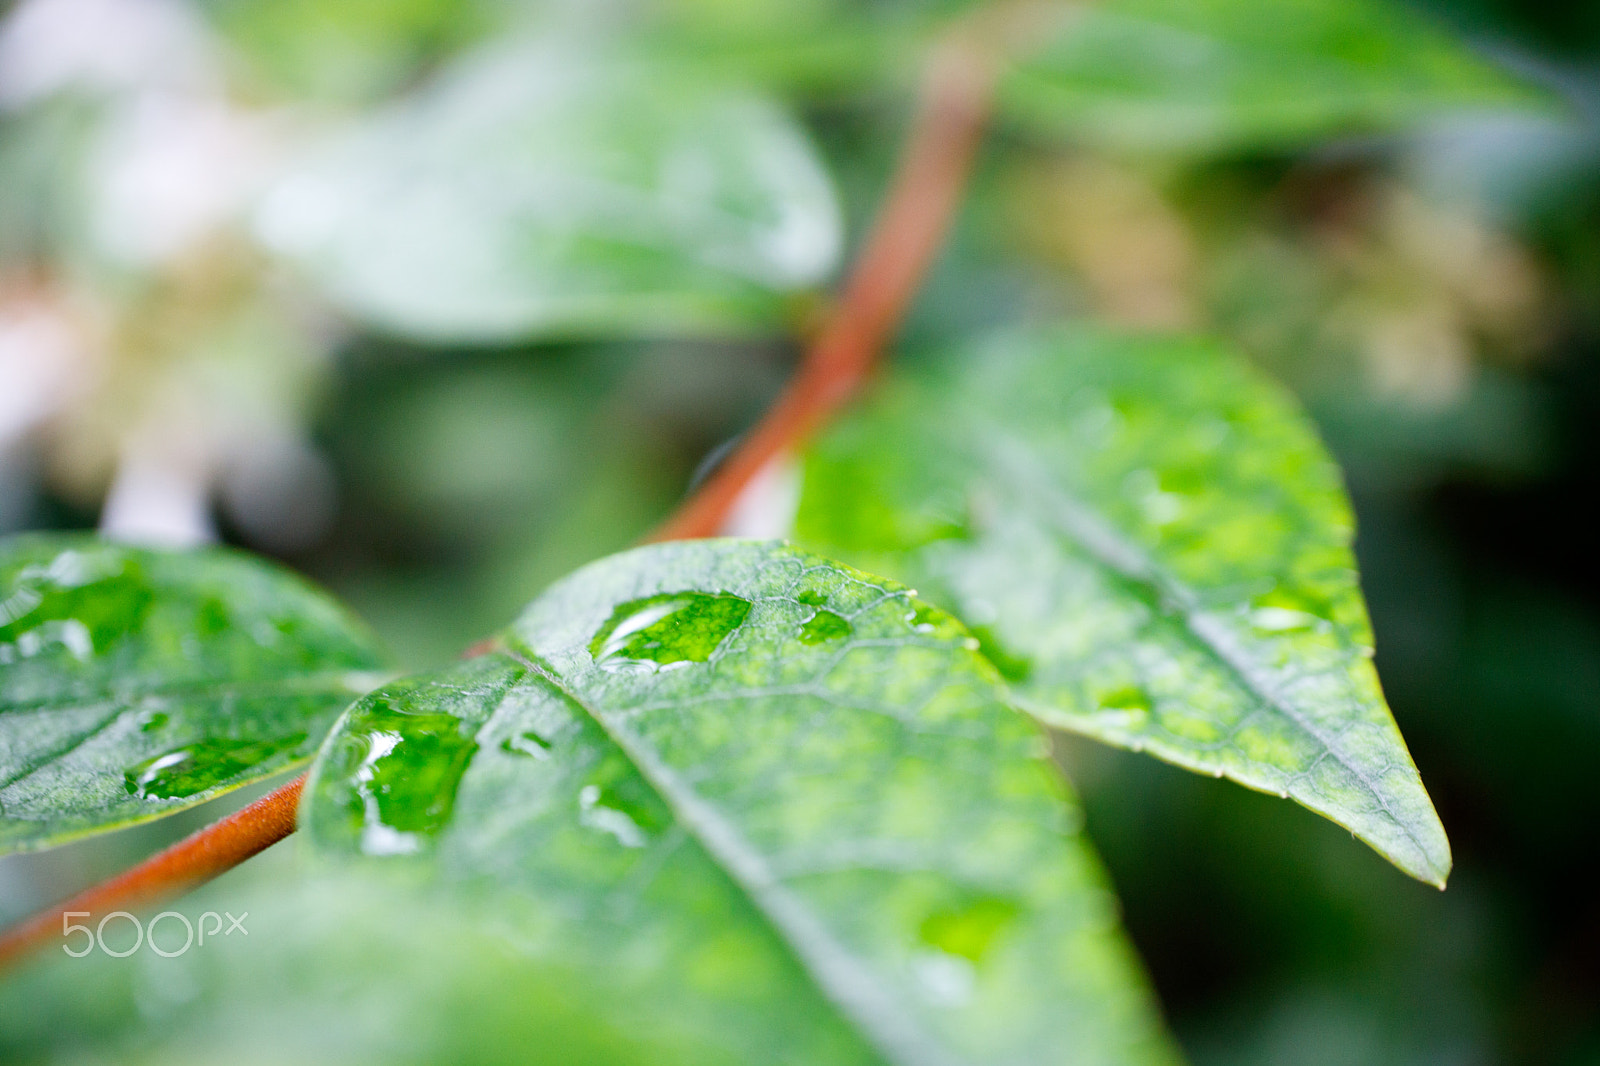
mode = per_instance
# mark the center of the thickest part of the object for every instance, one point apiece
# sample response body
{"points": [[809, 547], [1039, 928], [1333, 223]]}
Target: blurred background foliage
{"points": [[363, 287]]}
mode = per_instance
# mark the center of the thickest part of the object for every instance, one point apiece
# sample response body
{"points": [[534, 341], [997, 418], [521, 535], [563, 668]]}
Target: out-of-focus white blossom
{"points": [[47, 46], [170, 170], [43, 363]]}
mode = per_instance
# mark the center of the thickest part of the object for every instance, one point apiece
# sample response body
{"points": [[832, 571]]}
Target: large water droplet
{"points": [[192, 769], [407, 774], [675, 627]]}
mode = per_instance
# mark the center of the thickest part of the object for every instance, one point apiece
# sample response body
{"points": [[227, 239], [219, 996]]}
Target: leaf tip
{"points": [[1433, 861]]}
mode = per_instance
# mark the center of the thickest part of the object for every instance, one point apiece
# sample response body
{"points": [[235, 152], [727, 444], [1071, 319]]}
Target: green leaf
{"points": [[549, 190], [1155, 550], [135, 682], [353, 51], [1221, 74], [802, 842], [821, 48]]}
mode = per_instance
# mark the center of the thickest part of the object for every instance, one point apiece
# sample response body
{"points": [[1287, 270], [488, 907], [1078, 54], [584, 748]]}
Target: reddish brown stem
{"points": [[192, 861], [921, 201], [888, 271]]}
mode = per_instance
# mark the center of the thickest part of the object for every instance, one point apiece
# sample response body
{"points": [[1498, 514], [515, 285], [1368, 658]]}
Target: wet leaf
{"points": [[1221, 74], [1154, 549], [550, 190], [137, 682], [802, 843]]}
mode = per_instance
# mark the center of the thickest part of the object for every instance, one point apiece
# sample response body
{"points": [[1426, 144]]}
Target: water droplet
{"points": [[80, 602], [823, 627], [190, 770], [812, 598], [1123, 698], [407, 769], [969, 929], [1013, 668], [153, 721], [675, 627], [946, 980], [1281, 619], [921, 619], [608, 817], [527, 743]]}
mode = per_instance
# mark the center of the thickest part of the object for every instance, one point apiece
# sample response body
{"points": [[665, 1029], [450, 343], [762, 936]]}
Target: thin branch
{"points": [[192, 861], [909, 231], [926, 190]]}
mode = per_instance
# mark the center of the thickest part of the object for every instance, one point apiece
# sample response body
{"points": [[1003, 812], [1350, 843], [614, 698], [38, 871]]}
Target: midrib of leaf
{"points": [[1109, 547], [846, 982]]}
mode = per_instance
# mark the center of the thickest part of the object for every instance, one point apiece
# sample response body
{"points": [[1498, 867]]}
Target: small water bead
{"points": [[527, 743], [1123, 698], [946, 980], [969, 929], [667, 629], [1014, 668], [1282, 620], [608, 817], [823, 627], [921, 619]]}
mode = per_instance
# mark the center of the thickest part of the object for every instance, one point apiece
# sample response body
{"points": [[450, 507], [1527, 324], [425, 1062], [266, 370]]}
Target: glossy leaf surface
{"points": [[802, 842], [548, 190], [137, 682], [1155, 549], [1211, 74]]}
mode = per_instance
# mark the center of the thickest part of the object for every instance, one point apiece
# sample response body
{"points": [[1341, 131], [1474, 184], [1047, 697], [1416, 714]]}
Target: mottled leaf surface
{"points": [[1155, 549], [774, 799], [1232, 73], [548, 190], [136, 682]]}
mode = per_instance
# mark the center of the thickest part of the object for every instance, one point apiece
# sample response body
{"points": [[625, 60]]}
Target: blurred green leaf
{"points": [[353, 966], [820, 48], [1154, 548], [44, 150], [1227, 74], [763, 795], [547, 190], [135, 682], [353, 51]]}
